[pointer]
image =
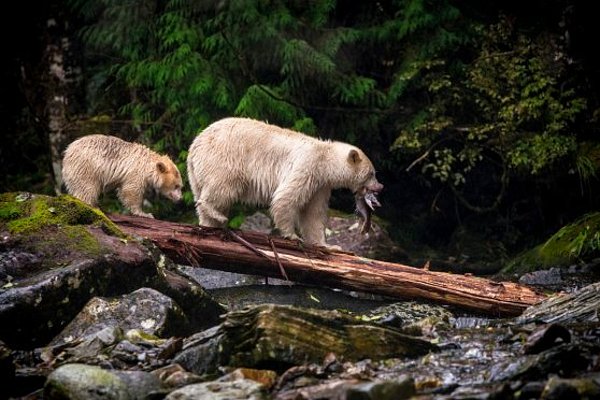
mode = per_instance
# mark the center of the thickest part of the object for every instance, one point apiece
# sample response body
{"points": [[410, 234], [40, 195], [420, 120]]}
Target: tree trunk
{"points": [[256, 253], [61, 81]]}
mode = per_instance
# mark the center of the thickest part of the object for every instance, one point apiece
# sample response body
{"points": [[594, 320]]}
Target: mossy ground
{"points": [[579, 241], [53, 225]]}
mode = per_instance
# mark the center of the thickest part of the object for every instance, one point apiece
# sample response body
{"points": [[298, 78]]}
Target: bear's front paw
{"points": [[333, 247], [293, 236], [143, 214]]}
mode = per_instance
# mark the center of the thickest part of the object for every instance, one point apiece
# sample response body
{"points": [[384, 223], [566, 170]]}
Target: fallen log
{"points": [[259, 254]]}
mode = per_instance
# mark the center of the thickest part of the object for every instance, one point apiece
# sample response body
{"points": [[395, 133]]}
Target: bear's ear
{"points": [[353, 157], [162, 168]]}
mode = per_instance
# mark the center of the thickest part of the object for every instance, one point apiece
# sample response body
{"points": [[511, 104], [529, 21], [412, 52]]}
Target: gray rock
{"points": [[145, 309], [36, 309], [398, 389], [377, 244], [565, 357], [245, 389], [259, 222], [201, 354], [544, 277], [271, 336], [578, 388], [85, 382]]}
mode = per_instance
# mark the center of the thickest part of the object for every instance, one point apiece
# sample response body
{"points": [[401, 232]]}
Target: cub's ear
{"points": [[354, 157], [162, 168]]}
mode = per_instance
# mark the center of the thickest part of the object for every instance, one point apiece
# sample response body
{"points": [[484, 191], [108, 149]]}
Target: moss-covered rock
{"points": [[27, 212], [575, 242], [56, 225], [56, 253]]}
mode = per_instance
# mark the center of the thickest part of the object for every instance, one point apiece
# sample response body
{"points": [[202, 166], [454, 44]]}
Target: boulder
{"points": [[56, 253], [86, 382], [144, 309], [278, 337]]}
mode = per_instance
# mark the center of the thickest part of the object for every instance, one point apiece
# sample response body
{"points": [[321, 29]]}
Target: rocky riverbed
{"points": [[88, 313]]}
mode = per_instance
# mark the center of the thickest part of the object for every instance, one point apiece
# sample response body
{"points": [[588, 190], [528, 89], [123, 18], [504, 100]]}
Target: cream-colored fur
{"points": [[243, 160], [97, 163]]}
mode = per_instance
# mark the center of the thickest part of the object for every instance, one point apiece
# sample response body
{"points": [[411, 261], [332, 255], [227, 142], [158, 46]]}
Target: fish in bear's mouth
{"points": [[366, 201]]}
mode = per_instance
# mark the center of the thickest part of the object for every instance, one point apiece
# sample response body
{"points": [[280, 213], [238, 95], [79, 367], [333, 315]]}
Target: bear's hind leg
{"points": [[209, 215], [88, 194]]}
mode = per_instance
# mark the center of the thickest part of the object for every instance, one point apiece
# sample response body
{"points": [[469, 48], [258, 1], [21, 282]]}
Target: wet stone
{"points": [[398, 389], [16, 264], [545, 337], [85, 382], [244, 389], [274, 337], [265, 377], [144, 309], [531, 390], [481, 392], [174, 376], [545, 277], [581, 388], [565, 357]]}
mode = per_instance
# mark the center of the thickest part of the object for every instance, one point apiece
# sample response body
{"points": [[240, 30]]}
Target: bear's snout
{"points": [[175, 196]]}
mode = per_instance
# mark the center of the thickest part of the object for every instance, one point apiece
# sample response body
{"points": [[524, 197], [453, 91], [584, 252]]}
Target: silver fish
{"points": [[365, 205]]}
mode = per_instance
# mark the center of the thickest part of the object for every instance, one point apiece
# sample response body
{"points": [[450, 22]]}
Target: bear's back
{"points": [[107, 158], [250, 133], [106, 147]]}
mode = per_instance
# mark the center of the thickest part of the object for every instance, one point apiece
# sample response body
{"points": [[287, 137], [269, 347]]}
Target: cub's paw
{"points": [[143, 214]]}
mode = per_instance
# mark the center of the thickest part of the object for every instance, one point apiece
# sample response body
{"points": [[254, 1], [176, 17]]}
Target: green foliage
{"points": [[511, 107], [175, 66], [577, 241], [185, 63]]}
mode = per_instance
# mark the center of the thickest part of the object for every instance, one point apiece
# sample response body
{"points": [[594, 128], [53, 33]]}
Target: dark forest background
{"points": [[481, 117]]}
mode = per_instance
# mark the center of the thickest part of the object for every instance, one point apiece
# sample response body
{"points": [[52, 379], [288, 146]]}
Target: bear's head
{"points": [[168, 179], [363, 173]]}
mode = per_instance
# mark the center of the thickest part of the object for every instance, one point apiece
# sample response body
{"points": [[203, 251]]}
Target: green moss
{"points": [[55, 226], [577, 241], [9, 211], [25, 213]]}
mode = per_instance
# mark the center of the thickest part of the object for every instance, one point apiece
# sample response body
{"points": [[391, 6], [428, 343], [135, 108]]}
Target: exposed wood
{"points": [[581, 306], [252, 253]]}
